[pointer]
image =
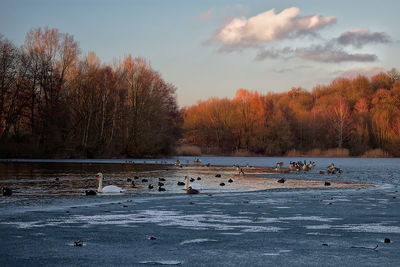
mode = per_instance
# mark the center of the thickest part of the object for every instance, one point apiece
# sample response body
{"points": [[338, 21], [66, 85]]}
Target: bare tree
{"points": [[341, 120]]}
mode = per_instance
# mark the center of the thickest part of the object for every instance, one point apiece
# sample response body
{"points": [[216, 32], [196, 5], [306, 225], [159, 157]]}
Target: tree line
{"points": [[54, 102], [357, 114]]}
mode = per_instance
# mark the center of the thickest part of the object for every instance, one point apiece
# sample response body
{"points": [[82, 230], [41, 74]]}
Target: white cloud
{"points": [[268, 26], [361, 36], [262, 29]]}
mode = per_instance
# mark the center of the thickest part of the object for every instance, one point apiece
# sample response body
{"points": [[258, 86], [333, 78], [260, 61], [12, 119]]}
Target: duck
{"points": [[198, 178], [108, 188], [191, 186], [331, 167], [161, 179], [150, 186], [218, 175], [222, 184], [6, 191], [181, 183], [160, 184], [311, 165], [230, 181], [327, 184], [78, 243], [192, 179], [192, 191], [144, 180], [130, 184], [281, 180], [160, 189], [90, 193]]}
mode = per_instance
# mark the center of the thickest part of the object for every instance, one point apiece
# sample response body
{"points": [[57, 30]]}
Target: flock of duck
{"points": [[130, 183], [194, 188], [297, 166]]}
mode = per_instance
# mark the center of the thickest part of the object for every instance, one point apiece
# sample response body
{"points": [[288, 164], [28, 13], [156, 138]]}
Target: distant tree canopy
{"points": [[358, 114], [55, 103]]}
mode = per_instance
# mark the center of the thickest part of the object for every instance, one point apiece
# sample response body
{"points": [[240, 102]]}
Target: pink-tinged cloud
{"points": [[361, 36], [244, 9], [353, 73], [268, 26], [208, 15]]}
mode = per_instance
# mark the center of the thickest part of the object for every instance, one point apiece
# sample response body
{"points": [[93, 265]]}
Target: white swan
{"points": [[108, 188]]}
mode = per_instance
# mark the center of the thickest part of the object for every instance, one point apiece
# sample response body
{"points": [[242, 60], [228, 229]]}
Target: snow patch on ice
{"points": [[199, 240], [204, 221], [363, 228]]}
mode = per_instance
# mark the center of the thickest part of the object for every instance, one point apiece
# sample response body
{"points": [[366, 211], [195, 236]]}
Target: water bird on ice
{"points": [[192, 191], [90, 193], [6, 191], [78, 243], [108, 188], [193, 186]]}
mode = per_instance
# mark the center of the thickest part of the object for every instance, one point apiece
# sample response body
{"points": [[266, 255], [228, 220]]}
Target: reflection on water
{"points": [[73, 177]]}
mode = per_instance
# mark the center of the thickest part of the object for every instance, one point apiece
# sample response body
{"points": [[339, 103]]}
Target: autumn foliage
{"points": [[357, 114]]}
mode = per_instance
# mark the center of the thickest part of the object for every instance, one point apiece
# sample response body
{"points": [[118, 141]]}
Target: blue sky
{"points": [[212, 48]]}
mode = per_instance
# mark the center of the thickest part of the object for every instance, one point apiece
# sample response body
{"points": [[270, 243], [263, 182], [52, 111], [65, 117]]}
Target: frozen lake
{"points": [[308, 227]]}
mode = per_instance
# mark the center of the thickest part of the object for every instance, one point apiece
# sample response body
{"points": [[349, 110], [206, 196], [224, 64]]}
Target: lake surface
{"points": [[225, 227]]}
